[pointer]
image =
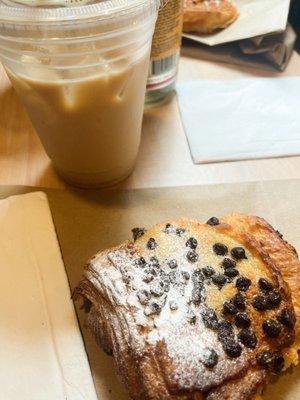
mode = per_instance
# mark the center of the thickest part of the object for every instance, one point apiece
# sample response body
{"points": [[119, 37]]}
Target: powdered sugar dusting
{"points": [[165, 296], [176, 308]]}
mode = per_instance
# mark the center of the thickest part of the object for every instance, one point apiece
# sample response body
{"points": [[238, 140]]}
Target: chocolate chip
{"points": [[154, 262], [220, 249], [126, 277], [243, 284], [265, 359], [287, 318], [180, 231], [174, 277], [271, 328], [270, 360], [225, 331], [140, 262], [210, 319], [238, 253], [197, 294], [209, 357], [213, 221], [274, 299], [191, 317], [248, 338], [229, 308], [137, 233], [278, 362], [164, 281], [239, 301], [151, 271], [169, 228], [192, 256], [219, 280], [154, 308], [232, 348], [260, 303], [242, 320], [231, 272], [148, 278], [265, 285], [185, 275], [157, 288], [163, 275], [151, 244], [173, 305], [197, 276], [224, 325], [172, 264], [143, 296], [207, 272], [197, 279], [192, 243], [228, 263]]}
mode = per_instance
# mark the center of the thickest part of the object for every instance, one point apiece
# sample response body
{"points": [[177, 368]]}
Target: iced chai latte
{"points": [[82, 77]]}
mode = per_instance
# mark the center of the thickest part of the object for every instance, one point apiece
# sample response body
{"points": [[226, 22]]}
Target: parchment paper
{"points": [[256, 18], [88, 221], [42, 352]]}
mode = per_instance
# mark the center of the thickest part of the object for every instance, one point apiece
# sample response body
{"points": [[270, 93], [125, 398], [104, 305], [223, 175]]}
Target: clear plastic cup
{"points": [[81, 73]]}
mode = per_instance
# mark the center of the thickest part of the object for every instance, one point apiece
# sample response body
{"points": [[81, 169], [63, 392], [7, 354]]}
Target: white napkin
{"points": [[241, 119]]}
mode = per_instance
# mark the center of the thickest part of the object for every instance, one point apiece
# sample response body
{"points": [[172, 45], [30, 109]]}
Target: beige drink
{"points": [[80, 68], [90, 127]]}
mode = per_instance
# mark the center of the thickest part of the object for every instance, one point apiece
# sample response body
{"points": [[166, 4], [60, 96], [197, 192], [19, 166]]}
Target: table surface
{"points": [[164, 157]]}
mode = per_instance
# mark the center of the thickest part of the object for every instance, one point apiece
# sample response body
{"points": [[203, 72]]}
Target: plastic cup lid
{"points": [[39, 11], [47, 3]]}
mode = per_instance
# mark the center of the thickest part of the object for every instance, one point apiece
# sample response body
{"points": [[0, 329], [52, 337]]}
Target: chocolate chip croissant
{"points": [[194, 310]]}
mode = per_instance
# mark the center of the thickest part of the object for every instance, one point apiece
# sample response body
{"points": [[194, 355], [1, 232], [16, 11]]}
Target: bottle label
{"points": [[168, 28], [158, 67], [162, 72], [165, 46]]}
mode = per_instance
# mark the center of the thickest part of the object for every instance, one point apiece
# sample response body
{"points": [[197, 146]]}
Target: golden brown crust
{"points": [[283, 255], [152, 353], [206, 16], [246, 387]]}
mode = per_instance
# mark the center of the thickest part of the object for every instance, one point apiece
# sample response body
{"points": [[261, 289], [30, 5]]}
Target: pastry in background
{"points": [[194, 311], [206, 16]]}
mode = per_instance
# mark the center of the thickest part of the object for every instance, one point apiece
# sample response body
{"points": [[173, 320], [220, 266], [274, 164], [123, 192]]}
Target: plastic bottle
{"points": [[165, 52]]}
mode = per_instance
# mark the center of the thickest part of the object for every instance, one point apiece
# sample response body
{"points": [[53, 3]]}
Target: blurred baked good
{"points": [[194, 310], [206, 16]]}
